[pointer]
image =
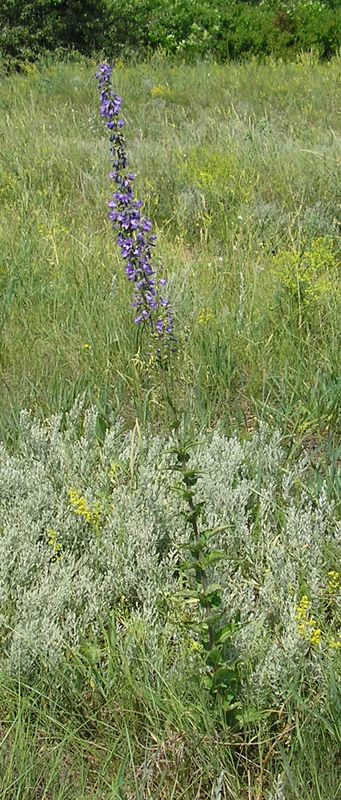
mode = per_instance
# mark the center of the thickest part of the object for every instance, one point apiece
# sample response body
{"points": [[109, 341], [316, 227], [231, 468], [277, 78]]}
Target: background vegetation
{"points": [[188, 29], [104, 686]]}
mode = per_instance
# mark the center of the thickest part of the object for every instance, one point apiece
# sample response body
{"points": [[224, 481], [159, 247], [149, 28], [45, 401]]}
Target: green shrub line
{"points": [[187, 29]]}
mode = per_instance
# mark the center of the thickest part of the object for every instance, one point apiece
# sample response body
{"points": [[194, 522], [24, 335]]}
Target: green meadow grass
{"points": [[128, 740], [238, 168]]}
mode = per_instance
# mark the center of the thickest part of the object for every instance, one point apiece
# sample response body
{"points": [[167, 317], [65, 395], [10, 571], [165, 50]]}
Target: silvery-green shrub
{"points": [[279, 537]]}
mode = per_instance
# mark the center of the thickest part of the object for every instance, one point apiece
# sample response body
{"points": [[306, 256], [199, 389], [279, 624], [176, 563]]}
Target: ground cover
{"points": [[105, 685]]}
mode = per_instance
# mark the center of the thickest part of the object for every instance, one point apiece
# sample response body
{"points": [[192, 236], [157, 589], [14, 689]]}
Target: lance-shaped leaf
{"points": [[211, 596]]}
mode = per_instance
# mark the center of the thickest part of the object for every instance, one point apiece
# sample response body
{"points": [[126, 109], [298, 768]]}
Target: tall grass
{"points": [[114, 735], [236, 165]]}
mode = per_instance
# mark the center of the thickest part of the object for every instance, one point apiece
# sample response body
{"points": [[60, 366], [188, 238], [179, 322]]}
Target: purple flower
{"points": [[104, 73], [133, 231]]}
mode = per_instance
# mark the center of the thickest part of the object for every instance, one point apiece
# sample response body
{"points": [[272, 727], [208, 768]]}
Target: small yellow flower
{"points": [[195, 646], [205, 316], [302, 608], [123, 600], [334, 581], [316, 636], [80, 507], [312, 274], [161, 91], [307, 625], [54, 544], [29, 69], [87, 346], [335, 643]]}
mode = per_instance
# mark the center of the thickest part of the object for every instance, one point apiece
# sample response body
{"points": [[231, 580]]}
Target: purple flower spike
{"points": [[104, 73], [132, 230]]}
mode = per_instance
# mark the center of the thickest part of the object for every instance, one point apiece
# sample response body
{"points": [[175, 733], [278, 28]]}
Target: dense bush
{"points": [[32, 27], [226, 29], [187, 28], [87, 528]]}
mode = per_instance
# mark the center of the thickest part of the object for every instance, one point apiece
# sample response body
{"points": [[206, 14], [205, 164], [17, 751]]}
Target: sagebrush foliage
{"points": [[87, 526]]}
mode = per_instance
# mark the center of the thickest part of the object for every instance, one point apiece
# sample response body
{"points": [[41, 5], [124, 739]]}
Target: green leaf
{"points": [[213, 659], [213, 619], [208, 532], [196, 547], [211, 597], [196, 565], [187, 594], [213, 558], [252, 714], [228, 699], [191, 475], [192, 516], [187, 494], [225, 633], [196, 627], [222, 677], [228, 704]]}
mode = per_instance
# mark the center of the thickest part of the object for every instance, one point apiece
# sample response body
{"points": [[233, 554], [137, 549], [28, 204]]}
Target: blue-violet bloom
{"points": [[133, 230]]}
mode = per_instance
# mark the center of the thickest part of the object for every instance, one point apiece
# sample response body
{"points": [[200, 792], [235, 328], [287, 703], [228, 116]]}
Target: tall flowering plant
{"points": [[132, 229], [136, 242]]}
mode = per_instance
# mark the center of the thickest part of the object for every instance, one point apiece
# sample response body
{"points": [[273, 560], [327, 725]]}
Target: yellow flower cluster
{"points": [[307, 625], [334, 581], [194, 646], [205, 316], [29, 69], [333, 587], [119, 63], [312, 274], [209, 169], [80, 507], [161, 91], [56, 547]]}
